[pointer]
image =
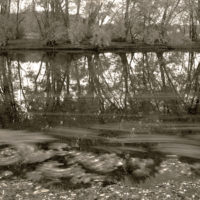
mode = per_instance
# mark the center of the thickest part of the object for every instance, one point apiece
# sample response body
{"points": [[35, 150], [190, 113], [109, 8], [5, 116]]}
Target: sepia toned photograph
{"points": [[99, 99]]}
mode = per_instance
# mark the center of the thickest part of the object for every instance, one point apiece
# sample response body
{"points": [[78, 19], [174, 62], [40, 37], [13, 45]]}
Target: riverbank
{"points": [[23, 190], [33, 45], [176, 183]]}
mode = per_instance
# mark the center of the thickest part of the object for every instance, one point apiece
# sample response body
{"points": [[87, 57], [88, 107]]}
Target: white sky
{"points": [[23, 5]]}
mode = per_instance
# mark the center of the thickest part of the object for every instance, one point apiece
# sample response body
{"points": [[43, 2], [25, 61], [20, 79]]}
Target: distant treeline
{"points": [[102, 21]]}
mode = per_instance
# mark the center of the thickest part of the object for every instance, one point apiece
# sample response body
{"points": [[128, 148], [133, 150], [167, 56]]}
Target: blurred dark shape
{"points": [[194, 110], [51, 43]]}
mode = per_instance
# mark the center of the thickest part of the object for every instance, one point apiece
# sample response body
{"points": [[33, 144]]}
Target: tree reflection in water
{"points": [[66, 88]]}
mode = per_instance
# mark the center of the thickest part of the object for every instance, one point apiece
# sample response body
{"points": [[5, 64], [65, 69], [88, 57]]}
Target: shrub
{"points": [[178, 38], [118, 29], [56, 31], [77, 32], [7, 29], [150, 36], [21, 33], [100, 37]]}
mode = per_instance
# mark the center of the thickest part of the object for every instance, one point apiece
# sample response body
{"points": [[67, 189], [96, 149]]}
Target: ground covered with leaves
{"points": [[175, 180]]}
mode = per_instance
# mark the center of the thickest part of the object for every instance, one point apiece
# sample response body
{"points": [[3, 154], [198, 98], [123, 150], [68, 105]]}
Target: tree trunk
{"points": [[78, 79], [78, 8], [127, 26], [193, 27], [9, 110], [91, 75], [17, 27], [8, 10], [92, 19], [198, 11], [37, 19], [67, 21], [126, 77]]}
